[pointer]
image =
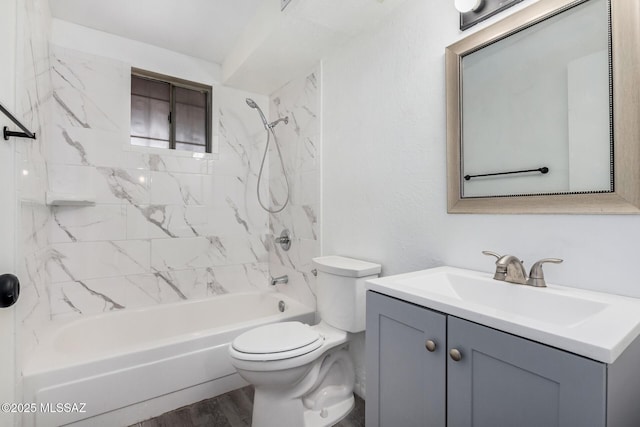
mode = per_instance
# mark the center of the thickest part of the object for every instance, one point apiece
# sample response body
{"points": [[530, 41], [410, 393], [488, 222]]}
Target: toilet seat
{"points": [[277, 341]]}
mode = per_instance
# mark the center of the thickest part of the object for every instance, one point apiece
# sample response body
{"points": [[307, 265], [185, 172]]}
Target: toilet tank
{"points": [[340, 290]]}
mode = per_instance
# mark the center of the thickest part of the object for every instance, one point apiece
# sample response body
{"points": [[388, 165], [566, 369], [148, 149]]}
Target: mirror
{"points": [[549, 110], [542, 112]]}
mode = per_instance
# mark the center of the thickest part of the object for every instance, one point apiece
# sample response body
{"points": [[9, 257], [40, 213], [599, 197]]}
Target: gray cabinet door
{"points": [[405, 382], [503, 381]]}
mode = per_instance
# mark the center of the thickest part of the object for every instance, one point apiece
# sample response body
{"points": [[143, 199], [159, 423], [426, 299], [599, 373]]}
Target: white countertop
{"points": [[596, 325]]}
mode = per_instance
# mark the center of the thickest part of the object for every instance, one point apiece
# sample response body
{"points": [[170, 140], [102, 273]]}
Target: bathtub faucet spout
{"points": [[282, 279]]}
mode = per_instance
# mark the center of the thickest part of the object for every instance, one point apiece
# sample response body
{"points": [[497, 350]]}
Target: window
{"points": [[170, 113]]}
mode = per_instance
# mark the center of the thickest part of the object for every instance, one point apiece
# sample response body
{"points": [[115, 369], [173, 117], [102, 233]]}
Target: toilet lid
{"points": [[277, 341]]}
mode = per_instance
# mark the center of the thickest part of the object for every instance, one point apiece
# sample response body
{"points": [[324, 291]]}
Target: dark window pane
{"points": [[190, 116], [190, 124], [150, 106], [154, 101], [190, 97], [150, 88], [149, 118]]}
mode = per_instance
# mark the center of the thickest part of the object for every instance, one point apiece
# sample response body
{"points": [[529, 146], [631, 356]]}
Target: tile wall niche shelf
{"points": [[69, 199]]}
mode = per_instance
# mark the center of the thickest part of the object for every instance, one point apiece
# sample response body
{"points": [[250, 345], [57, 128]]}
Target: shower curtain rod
{"points": [[7, 133]]}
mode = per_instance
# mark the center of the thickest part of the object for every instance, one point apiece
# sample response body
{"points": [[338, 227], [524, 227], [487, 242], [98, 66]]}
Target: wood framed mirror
{"points": [[524, 96]]}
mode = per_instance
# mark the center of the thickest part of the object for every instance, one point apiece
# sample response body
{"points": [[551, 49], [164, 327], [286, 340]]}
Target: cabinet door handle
{"points": [[430, 345], [455, 354]]}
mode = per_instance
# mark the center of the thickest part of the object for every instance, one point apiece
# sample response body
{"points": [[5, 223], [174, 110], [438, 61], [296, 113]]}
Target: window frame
{"points": [[185, 84]]}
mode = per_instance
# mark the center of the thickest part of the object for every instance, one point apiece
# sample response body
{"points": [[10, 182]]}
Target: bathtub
{"points": [[123, 367]]}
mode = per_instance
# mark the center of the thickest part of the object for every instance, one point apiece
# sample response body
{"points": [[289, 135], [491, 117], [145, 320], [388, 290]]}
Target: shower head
{"points": [[251, 103], [269, 128]]}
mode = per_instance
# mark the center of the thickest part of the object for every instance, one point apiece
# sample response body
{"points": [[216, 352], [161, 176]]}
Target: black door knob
{"points": [[9, 290]]}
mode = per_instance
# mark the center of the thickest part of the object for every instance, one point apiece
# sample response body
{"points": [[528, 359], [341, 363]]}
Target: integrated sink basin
{"points": [[592, 324], [516, 300]]}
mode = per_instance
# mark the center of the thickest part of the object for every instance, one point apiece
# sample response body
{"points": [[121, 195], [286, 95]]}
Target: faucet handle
{"points": [[536, 275], [498, 256], [501, 272]]}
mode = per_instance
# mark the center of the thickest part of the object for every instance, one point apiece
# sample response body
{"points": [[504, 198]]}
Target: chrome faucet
{"points": [[510, 269], [281, 279]]}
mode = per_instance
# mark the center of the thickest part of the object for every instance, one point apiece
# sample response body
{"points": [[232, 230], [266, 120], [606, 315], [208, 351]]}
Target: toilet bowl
{"points": [[303, 375], [306, 377]]}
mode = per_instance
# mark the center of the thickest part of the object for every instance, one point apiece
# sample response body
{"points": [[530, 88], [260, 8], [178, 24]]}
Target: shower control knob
{"points": [[9, 290], [284, 240]]}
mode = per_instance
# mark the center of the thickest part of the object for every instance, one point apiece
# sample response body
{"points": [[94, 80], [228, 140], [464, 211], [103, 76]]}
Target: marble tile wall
{"points": [[300, 146], [33, 101], [165, 226]]}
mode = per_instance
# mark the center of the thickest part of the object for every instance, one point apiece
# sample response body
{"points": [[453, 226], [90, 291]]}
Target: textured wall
{"points": [[166, 226], [384, 169]]}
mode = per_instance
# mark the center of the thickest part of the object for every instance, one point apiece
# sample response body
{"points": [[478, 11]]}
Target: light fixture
{"points": [[465, 6], [474, 11]]}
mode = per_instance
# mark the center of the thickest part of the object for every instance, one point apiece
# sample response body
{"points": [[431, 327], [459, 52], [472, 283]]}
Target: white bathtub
{"points": [[131, 365]]}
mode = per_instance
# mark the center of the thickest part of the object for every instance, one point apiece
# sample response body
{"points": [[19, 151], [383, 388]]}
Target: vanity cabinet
{"points": [[500, 380], [406, 383], [504, 380]]}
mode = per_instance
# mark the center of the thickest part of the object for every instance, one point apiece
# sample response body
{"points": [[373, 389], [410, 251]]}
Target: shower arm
{"points": [[274, 123]]}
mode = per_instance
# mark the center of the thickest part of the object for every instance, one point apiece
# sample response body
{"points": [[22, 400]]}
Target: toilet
{"points": [[303, 375]]}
